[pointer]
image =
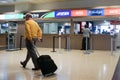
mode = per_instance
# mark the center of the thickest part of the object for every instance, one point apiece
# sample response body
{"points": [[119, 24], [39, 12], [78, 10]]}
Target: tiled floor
{"points": [[72, 65]]}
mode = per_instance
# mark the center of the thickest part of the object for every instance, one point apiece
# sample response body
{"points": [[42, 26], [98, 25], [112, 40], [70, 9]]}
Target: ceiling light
{"points": [[40, 11], [3, 1]]}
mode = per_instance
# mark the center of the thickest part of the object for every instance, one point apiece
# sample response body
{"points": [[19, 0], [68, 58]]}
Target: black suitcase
{"points": [[46, 64]]}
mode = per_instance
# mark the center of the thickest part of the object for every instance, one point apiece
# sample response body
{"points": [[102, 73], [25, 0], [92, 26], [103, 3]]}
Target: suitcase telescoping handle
{"points": [[36, 50]]}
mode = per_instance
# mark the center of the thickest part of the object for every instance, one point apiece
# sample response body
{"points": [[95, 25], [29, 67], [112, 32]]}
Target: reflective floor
{"points": [[72, 65]]}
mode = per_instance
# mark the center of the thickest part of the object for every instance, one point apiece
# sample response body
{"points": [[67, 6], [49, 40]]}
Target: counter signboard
{"points": [[48, 15], [112, 11], [62, 13], [38, 14], [75, 13], [95, 12], [14, 16]]}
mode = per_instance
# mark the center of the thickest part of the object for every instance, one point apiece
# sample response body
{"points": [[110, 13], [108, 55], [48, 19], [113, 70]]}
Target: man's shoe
{"points": [[23, 64], [35, 68]]}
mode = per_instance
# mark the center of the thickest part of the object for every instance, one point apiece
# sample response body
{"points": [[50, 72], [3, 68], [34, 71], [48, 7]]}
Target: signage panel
{"points": [[14, 16], [112, 11], [38, 14], [95, 12], [62, 13], [48, 15], [2, 17], [79, 13], [113, 22]]}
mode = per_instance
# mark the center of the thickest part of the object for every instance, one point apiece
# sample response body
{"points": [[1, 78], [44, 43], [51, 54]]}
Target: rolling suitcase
{"points": [[46, 64]]}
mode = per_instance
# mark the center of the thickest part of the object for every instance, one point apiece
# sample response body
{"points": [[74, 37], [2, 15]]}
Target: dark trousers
{"points": [[84, 43], [31, 53]]}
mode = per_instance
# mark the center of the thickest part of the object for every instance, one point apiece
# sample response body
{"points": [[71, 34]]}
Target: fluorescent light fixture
{"points": [[2, 17], [3, 1], [40, 11], [115, 6]]}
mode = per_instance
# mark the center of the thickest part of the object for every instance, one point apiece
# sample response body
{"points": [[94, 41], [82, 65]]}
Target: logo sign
{"points": [[79, 13], [112, 11], [38, 14], [48, 15], [62, 13], [95, 12]]}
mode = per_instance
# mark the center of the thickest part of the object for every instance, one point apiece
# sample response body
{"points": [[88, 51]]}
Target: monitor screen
{"points": [[4, 25], [4, 28], [13, 24]]}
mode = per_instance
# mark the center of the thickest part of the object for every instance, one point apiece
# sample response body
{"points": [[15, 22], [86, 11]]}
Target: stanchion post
{"points": [[91, 48], [21, 42], [68, 43], [86, 51], [59, 40], [8, 42], [86, 43], [53, 44], [111, 45], [112, 34]]}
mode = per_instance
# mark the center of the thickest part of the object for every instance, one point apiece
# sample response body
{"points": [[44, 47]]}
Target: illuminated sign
{"points": [[48, 15], [14, 16], [2, 17], [35, 15], [95, 12], [38, 14], [62, 13], [79, 13], [112, 11]]}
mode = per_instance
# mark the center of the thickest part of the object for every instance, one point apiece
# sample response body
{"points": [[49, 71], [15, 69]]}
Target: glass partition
{"points": [[4, 28], [54, 28]]}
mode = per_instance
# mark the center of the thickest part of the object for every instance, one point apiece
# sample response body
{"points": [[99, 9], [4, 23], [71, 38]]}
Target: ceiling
{"points": [[4, 2], [62, 4]]}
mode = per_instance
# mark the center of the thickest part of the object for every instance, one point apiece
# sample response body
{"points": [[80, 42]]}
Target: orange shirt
{"points": [[32, 30]]}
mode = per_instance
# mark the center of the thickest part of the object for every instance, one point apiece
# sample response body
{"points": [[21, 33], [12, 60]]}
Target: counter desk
{"points": [[3, 41], [99, 41]]}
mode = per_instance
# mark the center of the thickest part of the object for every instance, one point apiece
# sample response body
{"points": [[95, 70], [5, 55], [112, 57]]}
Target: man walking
{"points": [[32, 34]]}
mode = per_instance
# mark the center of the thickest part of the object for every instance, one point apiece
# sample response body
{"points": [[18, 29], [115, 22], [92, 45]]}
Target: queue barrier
{"points": [[67, 42], [21, 42]]}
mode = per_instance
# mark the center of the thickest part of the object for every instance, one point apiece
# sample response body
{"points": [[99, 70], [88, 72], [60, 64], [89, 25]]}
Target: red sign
{"points": [[112, 11], [75, 13], [114, 22]]}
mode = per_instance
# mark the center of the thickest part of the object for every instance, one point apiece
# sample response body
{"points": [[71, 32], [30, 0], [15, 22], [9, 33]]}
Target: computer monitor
{"points": [[4, 25]]}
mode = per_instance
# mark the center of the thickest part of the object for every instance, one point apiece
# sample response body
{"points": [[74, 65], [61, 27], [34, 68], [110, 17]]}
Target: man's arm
{"points": [[28, 30], [39, 34]]}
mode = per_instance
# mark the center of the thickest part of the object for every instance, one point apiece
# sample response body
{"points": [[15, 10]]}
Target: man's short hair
{"points": [[28, 15]]}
